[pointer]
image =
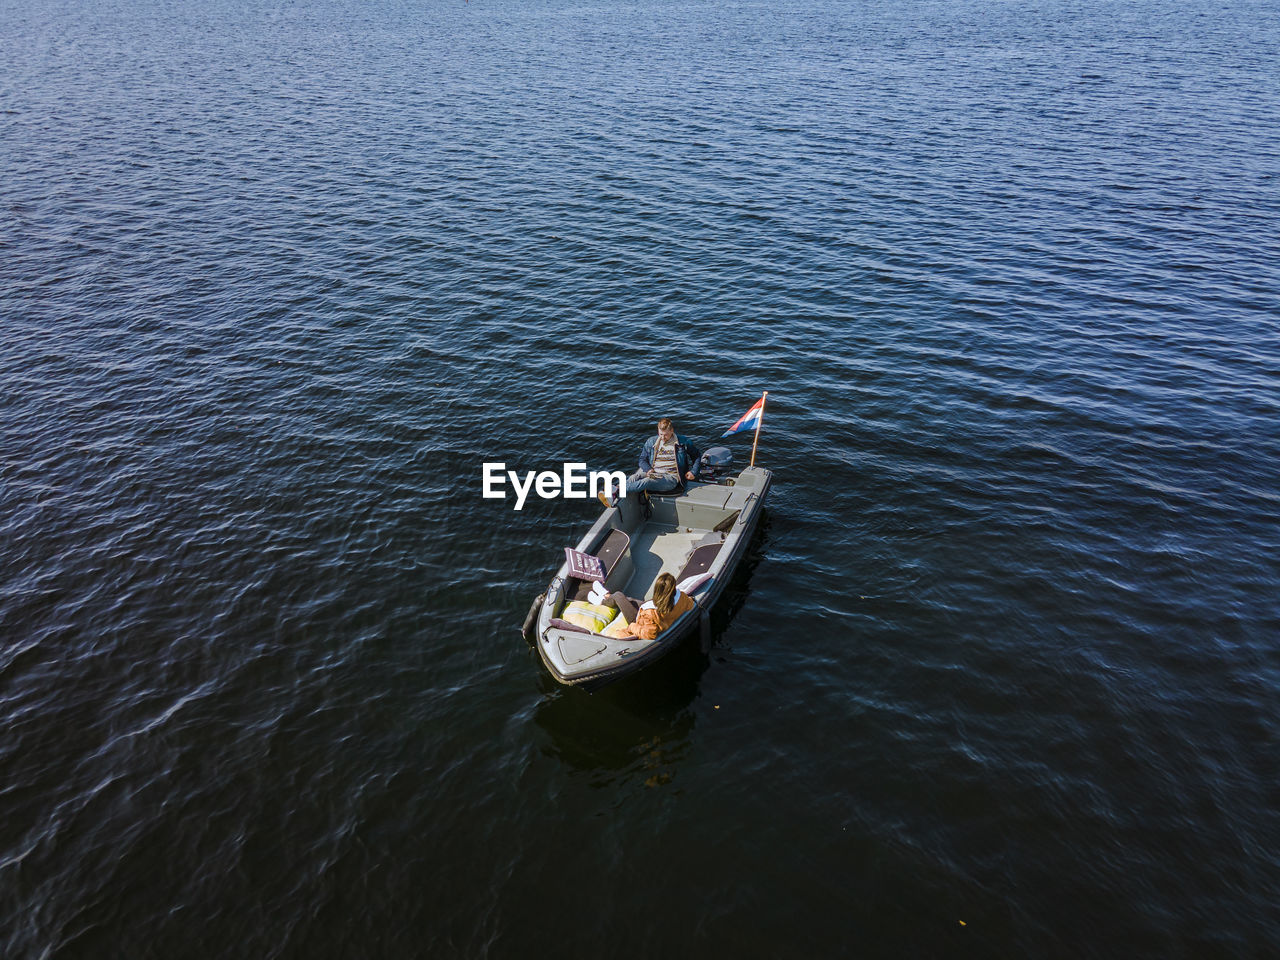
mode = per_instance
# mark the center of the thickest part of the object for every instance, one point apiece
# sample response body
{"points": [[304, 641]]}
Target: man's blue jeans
{"points": [[638, 481]]}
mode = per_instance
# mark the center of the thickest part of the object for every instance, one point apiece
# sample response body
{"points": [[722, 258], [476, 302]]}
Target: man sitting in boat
{"points": [[667, 606], [664, 460]]}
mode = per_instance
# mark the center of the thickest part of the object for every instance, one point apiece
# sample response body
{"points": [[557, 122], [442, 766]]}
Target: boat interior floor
{"points": [[657, 547]]}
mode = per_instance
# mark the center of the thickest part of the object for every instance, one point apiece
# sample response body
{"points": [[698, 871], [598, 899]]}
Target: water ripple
{"points": [[277, 280]]}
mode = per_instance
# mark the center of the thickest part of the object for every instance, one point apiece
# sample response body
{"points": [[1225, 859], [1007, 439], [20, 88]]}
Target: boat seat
{"points": [[612, 548], [608, 553], [700, 560], [663, 494]]}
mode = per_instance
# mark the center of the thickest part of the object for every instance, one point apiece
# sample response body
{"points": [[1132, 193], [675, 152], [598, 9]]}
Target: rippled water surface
{"points": [[1000, 676]]}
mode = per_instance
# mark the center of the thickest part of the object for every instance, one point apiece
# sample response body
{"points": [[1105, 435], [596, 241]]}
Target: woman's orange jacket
{"points": [[649, 623]]}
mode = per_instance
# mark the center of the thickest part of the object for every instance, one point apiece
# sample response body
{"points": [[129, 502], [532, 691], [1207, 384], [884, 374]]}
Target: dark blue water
{"points": [[1000, 678]]}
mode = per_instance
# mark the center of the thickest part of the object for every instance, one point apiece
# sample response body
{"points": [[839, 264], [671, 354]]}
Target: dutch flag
{"points": [[748, 421]]}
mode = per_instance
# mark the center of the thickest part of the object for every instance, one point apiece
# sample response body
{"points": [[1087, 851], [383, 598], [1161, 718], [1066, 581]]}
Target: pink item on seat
{"points": [[583, 565]]}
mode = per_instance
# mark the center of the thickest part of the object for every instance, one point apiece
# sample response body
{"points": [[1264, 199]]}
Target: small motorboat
{"points": [[699, 534]]}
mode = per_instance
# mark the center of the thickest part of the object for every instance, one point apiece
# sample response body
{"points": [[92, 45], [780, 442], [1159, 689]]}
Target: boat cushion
{"points": [[692, 585], [592, 616], [612, 548], [616, 626], [566, 625], [699, 561]]}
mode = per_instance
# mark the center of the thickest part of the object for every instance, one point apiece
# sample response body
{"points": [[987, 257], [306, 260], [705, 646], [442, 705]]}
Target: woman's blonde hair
{"points": [[664, 593]]}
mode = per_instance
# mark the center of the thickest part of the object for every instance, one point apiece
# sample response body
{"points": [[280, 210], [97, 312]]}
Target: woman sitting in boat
{"points": [[667, 606]]}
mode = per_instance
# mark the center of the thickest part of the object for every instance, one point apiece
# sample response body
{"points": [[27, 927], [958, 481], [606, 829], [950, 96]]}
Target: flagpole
{"points": [[759, 424]]}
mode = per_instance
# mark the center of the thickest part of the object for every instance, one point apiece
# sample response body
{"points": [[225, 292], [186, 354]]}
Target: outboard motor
{"points": [[716, 462]]}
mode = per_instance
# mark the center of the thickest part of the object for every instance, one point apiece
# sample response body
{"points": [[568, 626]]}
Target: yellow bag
{"points": [[592, 616]]}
